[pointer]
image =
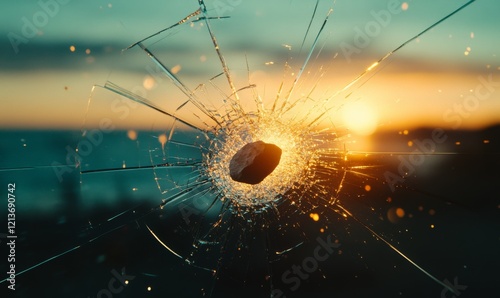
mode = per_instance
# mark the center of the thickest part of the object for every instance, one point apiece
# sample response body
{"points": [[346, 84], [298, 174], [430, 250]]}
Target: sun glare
{"points": [[360, 118]]}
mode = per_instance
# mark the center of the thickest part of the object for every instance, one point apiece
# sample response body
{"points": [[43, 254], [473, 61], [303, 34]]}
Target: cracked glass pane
{"points": [[349, 209]]}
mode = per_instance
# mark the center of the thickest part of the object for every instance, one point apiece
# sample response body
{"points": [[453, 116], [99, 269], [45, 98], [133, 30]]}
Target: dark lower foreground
{"points": [[463, 246], [450, 228]]}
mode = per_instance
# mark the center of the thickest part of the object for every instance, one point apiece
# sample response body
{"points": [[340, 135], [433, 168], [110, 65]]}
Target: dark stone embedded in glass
{"points": [[254, 162]]}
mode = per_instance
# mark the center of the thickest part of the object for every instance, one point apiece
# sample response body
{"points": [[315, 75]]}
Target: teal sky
{"points": [[42, 65], [115, 22]]}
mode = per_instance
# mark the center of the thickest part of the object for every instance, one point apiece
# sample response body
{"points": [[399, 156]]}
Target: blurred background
{"points": [[49, 63], [440, 94]]}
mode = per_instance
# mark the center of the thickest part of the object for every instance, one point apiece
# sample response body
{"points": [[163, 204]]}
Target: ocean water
{"points": [[77, 233]]}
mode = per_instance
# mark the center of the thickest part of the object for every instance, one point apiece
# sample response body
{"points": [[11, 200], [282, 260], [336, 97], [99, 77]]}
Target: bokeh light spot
{"points": [[314, 216]]}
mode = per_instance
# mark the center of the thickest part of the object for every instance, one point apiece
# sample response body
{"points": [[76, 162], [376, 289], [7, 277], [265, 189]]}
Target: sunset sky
{"points": [[53, 52]]}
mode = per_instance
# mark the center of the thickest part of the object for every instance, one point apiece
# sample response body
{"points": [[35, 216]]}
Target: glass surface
{"points": [[120, 122]]}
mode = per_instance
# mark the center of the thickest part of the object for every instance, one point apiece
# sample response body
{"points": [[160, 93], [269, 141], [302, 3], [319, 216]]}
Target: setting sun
{"points": [[360, 118]]}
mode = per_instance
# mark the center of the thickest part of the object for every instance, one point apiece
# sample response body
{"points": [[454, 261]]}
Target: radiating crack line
{"points": [[396, 250], [389, 54]]}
